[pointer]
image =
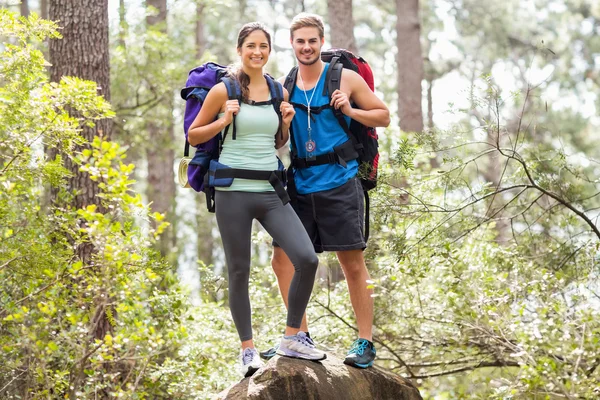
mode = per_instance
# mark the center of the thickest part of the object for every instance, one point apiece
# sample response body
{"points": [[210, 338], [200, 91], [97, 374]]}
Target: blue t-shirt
{"points": [[326, 134]]}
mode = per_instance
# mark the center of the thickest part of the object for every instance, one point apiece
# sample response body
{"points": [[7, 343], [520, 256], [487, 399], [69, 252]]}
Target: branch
{"points": [[556, 197], [482, 364]]}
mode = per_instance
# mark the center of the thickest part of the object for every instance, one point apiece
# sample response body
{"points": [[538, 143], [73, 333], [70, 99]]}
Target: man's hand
{"points": [[339, 100]]}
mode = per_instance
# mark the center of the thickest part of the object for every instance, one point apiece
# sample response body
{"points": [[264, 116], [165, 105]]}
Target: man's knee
{"points": [[280, 261], [352, 262]]}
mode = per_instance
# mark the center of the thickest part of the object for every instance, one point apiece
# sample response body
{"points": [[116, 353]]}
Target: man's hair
{"points": [[307, 20]]}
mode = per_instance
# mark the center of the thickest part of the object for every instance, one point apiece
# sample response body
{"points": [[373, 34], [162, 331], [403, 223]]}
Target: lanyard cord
{"points": [[308, 101]]}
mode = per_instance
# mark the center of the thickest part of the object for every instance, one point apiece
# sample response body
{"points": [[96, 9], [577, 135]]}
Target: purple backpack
{"points": [[200, 80]]}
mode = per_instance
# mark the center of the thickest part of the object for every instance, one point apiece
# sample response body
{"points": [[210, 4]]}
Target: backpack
{"points": [[203, 170], [363, 139]]}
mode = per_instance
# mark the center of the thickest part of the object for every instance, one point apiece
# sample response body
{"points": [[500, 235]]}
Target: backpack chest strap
{"points": [[341, 154]]}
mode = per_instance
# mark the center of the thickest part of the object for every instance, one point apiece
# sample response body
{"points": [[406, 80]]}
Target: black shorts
{"points": [[334, 219]]}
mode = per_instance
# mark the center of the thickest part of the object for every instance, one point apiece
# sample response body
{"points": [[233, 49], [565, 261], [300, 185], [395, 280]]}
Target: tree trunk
{"points": [[205, 220], [341, 24], [160, 154], [83, 53], [122, 23], [25, 8], [44, 9], [410, 65], [200, 36]]}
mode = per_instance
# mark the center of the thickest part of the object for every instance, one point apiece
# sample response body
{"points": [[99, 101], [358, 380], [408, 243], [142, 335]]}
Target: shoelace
{"points": [[359, 347], [247, 356], [305, 340]]}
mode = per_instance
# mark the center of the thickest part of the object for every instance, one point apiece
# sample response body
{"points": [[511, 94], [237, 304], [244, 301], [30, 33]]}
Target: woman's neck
{"points": [[255, 75]]}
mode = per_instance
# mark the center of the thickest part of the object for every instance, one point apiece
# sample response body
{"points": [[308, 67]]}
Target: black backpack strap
{"points": [[234, 92], [290, 81], [276, 91], [366, 215], [276, 178], [334, 80], [333, 76]]}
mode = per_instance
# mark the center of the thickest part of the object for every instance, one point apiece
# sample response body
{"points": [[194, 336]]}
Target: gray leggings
{"points": [[235, 212]]}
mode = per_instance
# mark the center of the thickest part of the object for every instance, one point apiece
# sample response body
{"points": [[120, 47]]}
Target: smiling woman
{"points": [[259, 127]]}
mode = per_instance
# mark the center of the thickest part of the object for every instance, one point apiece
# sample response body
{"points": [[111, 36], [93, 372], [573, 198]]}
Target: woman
{"points": [[238, 205]]}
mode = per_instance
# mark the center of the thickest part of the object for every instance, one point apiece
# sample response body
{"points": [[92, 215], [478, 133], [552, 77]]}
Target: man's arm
{"points": [[372, 112]]}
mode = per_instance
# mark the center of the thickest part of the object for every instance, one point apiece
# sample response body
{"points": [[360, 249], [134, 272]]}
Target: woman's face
{"points": [[255, 49]]}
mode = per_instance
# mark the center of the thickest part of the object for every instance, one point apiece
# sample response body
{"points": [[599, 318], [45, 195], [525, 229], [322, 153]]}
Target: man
{"points": [[330, 197]]}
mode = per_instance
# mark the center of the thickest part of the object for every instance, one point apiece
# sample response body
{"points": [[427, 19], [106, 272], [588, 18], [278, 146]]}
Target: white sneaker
{"points": [[300, 346], [250, 361]]}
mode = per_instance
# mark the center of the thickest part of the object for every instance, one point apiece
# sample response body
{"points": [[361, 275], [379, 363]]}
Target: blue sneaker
{"points": [[361, 355], [268, 354]]}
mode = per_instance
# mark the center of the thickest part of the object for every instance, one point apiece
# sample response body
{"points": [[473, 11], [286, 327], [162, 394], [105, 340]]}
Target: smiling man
{"points": [[329, 198]]}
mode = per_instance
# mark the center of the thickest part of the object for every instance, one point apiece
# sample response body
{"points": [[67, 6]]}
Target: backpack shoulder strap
{"points": [[276, 91], [333, 76], [333, 81], [234, 92], [290, 81]]}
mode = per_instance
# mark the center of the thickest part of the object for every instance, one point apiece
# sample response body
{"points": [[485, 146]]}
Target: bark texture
{"points": [[83, 53], [159, 152], [341, 24], [410, 65]]}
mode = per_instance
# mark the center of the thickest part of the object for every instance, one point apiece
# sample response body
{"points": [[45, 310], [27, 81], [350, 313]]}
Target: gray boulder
{"points": [[288, 378]]}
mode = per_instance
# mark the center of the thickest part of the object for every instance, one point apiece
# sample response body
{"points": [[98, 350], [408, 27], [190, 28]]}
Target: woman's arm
{"points": [[287, 114], [205, 126]]}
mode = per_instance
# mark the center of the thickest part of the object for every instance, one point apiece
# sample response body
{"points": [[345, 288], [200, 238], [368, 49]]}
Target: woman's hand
{"points": [[232, 107], [287, 112]]}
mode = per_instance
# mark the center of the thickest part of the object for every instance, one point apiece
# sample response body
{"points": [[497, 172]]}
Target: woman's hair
{"points": [[239, 73], [307, 20]]}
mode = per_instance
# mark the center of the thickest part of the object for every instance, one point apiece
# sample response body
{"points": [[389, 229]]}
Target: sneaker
{"points": [[250, 362], [300, 346], [268, 354], [272, 352], [361, 355]]}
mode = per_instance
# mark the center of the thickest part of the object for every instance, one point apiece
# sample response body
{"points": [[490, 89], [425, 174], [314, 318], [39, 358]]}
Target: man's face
{"points": [[307, 45]]}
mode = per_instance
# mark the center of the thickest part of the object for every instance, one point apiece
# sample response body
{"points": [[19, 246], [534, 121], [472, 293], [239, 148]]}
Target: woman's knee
{"points": [[308, 262]]}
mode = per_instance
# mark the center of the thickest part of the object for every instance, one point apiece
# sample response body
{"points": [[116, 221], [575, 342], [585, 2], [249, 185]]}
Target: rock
{"points": [[288, 378]]}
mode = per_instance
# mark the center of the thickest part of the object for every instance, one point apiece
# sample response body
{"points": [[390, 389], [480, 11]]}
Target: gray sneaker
{"points": [[300, 346], [250, 362]]}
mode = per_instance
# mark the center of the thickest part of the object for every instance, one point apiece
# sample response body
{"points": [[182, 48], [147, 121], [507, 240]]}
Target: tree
{"points": [[409, 60], [44, 9], [24, 8], [200, 35], [341, 24], [159, 150], [82, 53]]}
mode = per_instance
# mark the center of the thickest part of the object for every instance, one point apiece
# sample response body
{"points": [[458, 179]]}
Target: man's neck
{"points": [[310, 74]]}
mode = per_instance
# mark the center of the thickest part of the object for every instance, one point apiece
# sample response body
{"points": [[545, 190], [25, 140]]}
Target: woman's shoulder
{"points": [[219, 89]]}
